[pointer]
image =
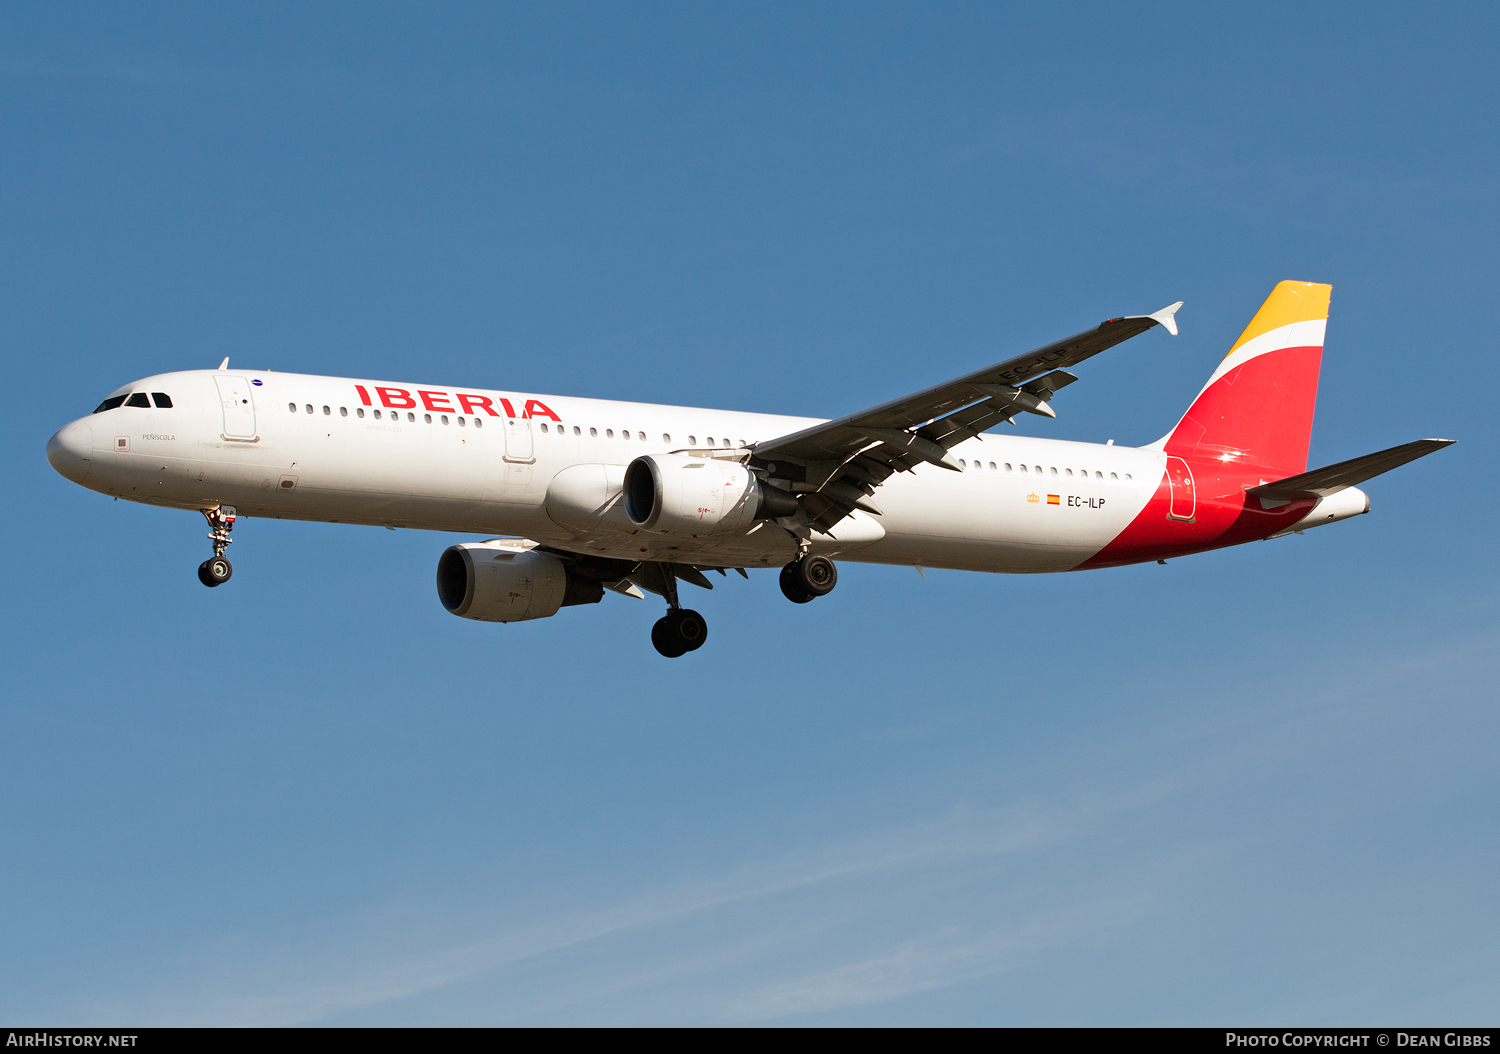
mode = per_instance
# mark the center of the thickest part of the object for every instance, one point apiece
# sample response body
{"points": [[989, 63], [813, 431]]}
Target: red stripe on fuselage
{"points": [[1224, 516]]}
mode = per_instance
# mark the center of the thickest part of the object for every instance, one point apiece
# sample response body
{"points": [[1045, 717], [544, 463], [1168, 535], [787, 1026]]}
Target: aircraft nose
{"points": [[71, 451]]}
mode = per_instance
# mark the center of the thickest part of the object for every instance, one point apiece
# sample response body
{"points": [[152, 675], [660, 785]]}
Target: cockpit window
{"points": [[110, 403], [162, 400], [138, 399]]}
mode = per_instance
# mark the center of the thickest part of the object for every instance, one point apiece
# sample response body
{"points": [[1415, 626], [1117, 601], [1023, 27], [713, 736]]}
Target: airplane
{"points": [[584, 496]]}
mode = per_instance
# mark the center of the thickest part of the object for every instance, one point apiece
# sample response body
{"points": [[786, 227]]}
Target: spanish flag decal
{"points": [[1054, 499]]}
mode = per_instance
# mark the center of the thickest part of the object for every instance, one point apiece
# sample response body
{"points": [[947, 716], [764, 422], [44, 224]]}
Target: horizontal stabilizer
{"points": [[1321, 482]]}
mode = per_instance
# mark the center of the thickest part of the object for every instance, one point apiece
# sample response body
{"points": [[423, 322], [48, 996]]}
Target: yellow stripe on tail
{"points": [[1289, 302]]}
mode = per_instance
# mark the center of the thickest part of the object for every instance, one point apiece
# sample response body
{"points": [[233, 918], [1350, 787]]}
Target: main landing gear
{"points": [[808, 577], [680, 630], [215, 571]]}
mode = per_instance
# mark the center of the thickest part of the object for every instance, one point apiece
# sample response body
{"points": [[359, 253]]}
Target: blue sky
{"points": [[1255, 786]]}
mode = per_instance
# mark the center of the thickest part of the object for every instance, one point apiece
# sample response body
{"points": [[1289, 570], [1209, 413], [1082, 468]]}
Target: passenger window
{"points": [[138, 399], [609, 433], [1054, 470], [1067, 472], [1007, 466], [461, 422], [413, 418], [1098, 475], [1023, 470], [594, 432], [665, 438], [692, 440], [444, 418], [544, 426], [992, 466], [625, 434], [343, 411], [1127, 477], [110, 403], [710, 440], [577, 431], [162, 400], [292, 407], [1114, 477], [961, 463], [427, 418], [478, 422], [327, 412], [309, 408], [359, 411], [641, 436]]}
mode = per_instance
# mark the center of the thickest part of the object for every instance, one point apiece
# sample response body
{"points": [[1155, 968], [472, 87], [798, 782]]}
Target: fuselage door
{"points": [[1180, 480], [239, 406], [518, 441]]}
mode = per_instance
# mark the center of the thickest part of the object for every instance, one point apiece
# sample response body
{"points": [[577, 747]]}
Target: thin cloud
{"points": [[1010, 871]]}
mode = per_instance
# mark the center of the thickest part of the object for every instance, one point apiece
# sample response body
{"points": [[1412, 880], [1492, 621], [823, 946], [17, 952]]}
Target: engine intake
{"points": [[695, 496], [496, 582]]}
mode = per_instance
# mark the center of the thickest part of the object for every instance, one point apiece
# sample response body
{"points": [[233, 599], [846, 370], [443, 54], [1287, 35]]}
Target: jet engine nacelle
{"points": [[696, 496], [500, 582]]}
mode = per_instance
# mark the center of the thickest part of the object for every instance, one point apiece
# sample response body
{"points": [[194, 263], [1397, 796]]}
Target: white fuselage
{"points": [[291, 446]]}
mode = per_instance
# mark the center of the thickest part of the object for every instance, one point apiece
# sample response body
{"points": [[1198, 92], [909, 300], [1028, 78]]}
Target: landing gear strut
{"points": [[808, 577], [679, 631], [216, 570]]}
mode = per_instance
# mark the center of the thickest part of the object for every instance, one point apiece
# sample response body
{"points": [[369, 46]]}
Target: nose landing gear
{"points": [[807, 578], [216, 570]]}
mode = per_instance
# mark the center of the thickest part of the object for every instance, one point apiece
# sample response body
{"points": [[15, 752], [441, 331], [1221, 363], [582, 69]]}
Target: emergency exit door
{"points": [[518, 446], [1180, 480]]}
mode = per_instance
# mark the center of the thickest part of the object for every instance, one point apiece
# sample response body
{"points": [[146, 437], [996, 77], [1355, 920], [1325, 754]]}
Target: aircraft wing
{"points": [[837, 465], [1321, 482]]}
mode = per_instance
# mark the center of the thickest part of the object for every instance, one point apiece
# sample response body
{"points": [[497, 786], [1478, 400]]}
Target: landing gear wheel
{"points": [[817, 575], [214, 571], [679, 632], [791, 588], [808, 578]]}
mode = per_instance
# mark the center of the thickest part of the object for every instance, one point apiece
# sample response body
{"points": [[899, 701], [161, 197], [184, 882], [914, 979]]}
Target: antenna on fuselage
{"points": [[225, 364]]}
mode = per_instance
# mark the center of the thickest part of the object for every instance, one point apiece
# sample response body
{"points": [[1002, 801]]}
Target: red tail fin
{"points": [[1257, 408]]}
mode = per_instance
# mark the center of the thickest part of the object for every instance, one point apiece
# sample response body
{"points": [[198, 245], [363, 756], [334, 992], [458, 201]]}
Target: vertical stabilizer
{"points": [[1257, 408]]}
